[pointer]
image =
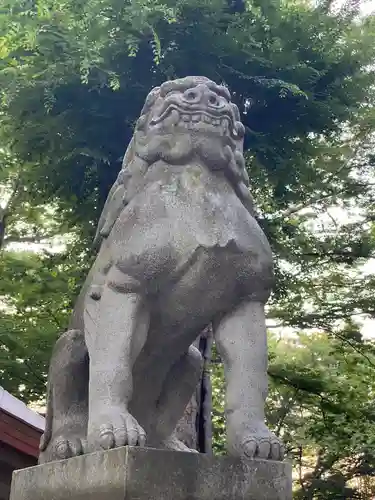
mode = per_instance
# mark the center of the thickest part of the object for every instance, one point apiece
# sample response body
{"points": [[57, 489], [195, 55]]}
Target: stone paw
{"points": [[259, 442], [174, 444], [62, 447], [116, 428]]}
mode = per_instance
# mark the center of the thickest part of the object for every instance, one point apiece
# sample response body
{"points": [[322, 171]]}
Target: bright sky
{"points": [[368, 7]]}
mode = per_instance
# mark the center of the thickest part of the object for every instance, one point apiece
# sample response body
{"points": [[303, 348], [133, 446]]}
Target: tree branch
{"points": [[30, 239], [286, 410]]}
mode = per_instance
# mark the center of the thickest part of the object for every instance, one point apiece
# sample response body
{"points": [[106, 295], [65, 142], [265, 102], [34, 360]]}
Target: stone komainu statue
{"points": [[179, 248]]}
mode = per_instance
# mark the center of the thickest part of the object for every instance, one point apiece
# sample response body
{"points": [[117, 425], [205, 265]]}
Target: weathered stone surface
{"points": [[147, 474], [179, 248]]}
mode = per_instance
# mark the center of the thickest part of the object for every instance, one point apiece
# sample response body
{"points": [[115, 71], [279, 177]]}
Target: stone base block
{"points": [[147, 474]]}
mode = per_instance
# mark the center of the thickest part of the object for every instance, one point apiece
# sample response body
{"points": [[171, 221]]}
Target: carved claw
{"points": [[67, 448], [259, 442], [62, 448], [118, 429], [174, 444], [266, 448]]}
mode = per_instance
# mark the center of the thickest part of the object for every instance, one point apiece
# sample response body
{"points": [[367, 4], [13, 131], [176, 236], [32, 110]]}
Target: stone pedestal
{"points": [[147, 474]]}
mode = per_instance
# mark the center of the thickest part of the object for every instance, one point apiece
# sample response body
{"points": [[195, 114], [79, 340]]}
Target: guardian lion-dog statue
{"points": [[178, 248]]}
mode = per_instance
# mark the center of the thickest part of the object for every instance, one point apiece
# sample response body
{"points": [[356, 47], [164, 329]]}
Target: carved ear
{"points": [[150, 100], [114, 202], [129, 154], [102, 224], [122, 191]]}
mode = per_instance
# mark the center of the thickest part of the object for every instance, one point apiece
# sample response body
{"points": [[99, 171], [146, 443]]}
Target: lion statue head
{"points": [[183, 120]]}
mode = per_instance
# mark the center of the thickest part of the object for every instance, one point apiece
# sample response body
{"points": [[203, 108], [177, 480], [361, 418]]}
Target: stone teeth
{"points": [[189, 119], [226, 125], [173, 118]]}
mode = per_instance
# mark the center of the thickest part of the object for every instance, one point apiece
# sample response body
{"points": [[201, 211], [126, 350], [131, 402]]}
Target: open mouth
{"points": [[174, 116]]}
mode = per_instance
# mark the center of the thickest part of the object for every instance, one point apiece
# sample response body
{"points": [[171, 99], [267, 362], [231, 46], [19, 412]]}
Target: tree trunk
{"points": [[195, 427], [3, 218]]}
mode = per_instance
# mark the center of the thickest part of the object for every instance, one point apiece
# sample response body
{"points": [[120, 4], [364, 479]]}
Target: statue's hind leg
{"points": [[178, 388], [67, 405]]}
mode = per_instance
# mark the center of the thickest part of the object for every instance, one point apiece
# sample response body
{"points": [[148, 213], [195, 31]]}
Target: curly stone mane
{"points": [[168, 132]]}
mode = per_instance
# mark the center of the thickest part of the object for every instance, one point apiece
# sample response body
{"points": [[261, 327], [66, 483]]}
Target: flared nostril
{"points": [[201, 93], [191, 95], [213, 100]]}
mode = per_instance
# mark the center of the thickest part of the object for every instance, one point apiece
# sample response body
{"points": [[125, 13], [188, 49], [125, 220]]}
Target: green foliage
{"points": [[327, 424], [218, 406], [36, 293], [73, 78], [321, 404]]}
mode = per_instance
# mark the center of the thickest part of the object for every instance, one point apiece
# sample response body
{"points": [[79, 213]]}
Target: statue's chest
{"points": [[208, 214], [174, 227]]}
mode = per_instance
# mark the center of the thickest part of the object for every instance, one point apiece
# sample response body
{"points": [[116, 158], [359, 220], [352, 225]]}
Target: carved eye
{"points": [[213, 99], [191, 95]]}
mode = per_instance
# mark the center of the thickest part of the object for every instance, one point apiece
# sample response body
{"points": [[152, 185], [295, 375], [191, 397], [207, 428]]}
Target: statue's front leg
{"points": [[241, 339], [114, 341]]}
